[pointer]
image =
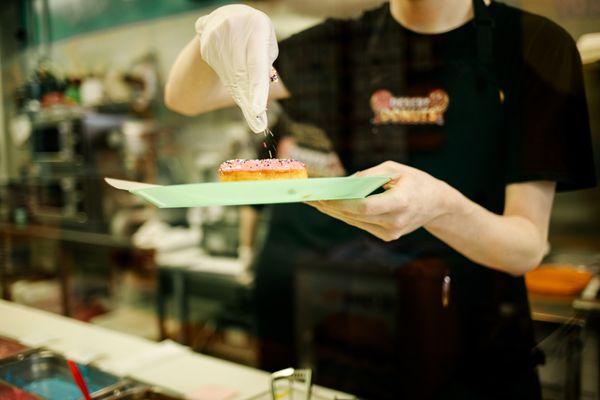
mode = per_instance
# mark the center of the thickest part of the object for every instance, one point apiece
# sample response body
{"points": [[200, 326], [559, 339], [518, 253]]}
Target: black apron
{"points": [[445, 118]]}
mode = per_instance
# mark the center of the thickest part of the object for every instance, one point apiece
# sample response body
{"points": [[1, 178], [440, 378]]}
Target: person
{"points": [[476, 112]]}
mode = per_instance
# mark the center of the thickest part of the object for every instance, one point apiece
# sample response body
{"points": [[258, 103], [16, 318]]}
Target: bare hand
{"points": [[412, 199]]}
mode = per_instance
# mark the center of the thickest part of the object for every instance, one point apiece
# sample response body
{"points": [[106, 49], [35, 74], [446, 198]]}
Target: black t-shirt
{"points": [[382, 92], [546, 134]]}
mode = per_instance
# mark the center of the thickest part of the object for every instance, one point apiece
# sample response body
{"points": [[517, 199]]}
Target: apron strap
{"points": [[484, 23]]}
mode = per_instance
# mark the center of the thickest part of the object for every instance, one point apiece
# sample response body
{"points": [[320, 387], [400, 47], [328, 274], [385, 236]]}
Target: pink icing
{"points": [[274, 164]]}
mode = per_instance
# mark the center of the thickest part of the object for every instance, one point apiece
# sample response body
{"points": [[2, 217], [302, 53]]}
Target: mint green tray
{"points": [[252, 192]]}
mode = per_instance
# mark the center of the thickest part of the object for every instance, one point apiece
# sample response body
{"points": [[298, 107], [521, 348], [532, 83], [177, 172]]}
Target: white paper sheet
{"points": [[127, 185]]}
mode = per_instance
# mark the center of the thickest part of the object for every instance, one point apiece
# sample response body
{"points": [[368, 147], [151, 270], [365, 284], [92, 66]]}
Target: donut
{"points": [[268, 169]]}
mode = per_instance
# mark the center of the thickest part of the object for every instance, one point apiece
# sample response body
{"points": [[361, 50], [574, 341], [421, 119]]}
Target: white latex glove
{"points": [[239, 43]]}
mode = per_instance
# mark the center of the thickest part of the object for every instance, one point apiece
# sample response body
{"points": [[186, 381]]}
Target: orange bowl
{"points": [[557, 279]]}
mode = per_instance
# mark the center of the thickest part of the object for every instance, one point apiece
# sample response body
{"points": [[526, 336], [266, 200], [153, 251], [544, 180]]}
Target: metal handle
{"points": [[446, 290]]}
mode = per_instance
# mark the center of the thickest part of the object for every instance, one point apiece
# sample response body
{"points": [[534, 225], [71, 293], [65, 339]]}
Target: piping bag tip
{"points": [[259, 124]]}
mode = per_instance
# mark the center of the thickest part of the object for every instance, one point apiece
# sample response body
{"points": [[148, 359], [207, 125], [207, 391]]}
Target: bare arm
{"points": [[194, 88], [247, 234], [248, 224], [514, 242]]}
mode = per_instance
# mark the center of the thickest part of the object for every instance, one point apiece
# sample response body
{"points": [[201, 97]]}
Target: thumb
{"points": [[389, 168]]}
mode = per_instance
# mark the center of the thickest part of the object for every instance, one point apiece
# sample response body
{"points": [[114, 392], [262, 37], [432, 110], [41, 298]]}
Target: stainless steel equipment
{"points": [[137, 393], [57, 199], [56, 149], [63, 181], [57, 138], [46, 374]]}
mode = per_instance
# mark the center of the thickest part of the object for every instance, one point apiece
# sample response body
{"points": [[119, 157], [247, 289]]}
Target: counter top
{"points": [[183, 372], [169, 365]]}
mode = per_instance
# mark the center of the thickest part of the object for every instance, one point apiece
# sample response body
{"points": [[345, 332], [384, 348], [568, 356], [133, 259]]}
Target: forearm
{"points": [[248, 224], [509, 243], [193, 87], [514, 242]]}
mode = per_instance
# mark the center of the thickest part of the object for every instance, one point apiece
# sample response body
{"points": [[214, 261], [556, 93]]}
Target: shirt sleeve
{"points": [[309, 65], [549, 134]]}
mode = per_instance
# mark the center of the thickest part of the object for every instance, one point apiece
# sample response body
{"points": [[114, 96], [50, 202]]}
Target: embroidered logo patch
{"points": [[407, 110]]}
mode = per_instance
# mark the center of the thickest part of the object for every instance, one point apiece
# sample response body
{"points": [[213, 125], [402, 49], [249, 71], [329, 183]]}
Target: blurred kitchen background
{"points": [[82, 85]]}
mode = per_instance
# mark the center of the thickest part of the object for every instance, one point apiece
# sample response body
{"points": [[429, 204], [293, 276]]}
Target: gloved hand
{"points": [[239, 43]]}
